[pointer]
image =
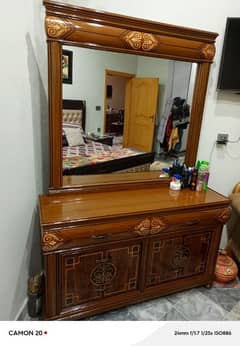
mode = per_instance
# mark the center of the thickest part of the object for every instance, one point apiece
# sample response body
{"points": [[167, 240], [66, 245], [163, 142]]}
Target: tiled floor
{"points": [[200, 304]]}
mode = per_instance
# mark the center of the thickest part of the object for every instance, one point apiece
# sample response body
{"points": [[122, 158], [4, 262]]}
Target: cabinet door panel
{"points": [[126, 259], [176, 257], [76, 281], [92, 275]]}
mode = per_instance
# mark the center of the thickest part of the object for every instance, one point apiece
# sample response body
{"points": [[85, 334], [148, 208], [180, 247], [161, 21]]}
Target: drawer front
{"points": [[117, 229], [91, 276]]}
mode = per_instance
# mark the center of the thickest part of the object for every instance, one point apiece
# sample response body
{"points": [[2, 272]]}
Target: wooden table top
{"points": [[72, 207]]}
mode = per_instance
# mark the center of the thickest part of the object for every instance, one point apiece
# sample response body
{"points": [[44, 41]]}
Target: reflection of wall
{"points": [[88, 83], [88, 80], [116, 102]]}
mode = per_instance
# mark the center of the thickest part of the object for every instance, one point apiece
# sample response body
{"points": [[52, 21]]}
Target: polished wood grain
{"points": [[103, 250], [200, 89], [114, 31], [55, 112], [177, 257], [116, 239], [79, 207], [79, 26], [110, 182]]}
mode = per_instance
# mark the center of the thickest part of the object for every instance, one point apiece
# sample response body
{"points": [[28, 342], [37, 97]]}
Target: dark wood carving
{"points": [[224, 215], [178, 257], [74, 25], [97, 274], [103, 273]]}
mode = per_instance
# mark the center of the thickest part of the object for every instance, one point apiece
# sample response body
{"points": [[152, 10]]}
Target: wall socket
{"points": [[222, 138]]}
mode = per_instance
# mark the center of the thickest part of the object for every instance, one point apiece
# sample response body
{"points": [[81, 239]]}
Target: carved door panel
{"points": [[126, 260], [92, 275], [176, 257], [76, 282]]}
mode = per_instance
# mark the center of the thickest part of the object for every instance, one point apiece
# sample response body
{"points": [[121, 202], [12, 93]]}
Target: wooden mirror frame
{"points": [[84, 27]]}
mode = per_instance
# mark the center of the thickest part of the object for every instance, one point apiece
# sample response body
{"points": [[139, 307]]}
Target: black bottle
{"points": [[193, 182]]}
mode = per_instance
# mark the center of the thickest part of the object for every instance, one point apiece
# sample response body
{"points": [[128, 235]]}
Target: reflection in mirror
{"points": [[124, 112]]}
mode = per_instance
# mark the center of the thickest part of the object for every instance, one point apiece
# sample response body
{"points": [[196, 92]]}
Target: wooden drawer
{"points": [[196, 218], [126, 228]]}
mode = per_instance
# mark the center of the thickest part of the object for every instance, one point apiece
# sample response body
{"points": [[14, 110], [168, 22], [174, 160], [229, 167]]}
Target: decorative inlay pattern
{"points": [[56, 27], [225, 214], [157, 225], [150, 226], [208, 51], [181, 255], [103, 274], [143, 228], [140, 40], [51, 240]]}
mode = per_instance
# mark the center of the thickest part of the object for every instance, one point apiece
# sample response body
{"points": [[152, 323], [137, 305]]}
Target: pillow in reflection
{"points": [[74, 136]]}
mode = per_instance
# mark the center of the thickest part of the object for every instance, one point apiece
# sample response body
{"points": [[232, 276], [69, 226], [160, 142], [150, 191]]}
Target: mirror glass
{"points": [[123, 112]]}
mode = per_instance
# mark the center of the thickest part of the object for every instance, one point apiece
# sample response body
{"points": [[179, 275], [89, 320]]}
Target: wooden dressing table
{"points": [[104, 250], [117, 239]]}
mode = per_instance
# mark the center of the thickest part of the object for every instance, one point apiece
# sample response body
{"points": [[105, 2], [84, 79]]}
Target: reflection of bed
{"points": [[83, 156]]}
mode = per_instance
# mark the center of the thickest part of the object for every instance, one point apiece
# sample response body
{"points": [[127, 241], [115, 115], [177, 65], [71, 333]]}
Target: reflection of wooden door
{"points": [[140, 112]]}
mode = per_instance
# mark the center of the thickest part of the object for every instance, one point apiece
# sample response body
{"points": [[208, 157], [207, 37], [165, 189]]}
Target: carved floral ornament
{"points": [[225, 214], [140, 40], [51, 240], [150, 226], [57, 28]]}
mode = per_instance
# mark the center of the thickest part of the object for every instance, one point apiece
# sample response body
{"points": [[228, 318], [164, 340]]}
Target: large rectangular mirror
{"points": [[158, 67], [124, 112]]}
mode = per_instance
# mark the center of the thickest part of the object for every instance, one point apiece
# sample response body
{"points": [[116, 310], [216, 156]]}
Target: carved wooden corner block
{"points": [[140, 40], [208, 51], [51, 241], [150, 226], [224, 215], [57, 28]]}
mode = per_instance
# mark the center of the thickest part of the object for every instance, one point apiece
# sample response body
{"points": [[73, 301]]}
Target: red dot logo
{"points": [[45, 332]]}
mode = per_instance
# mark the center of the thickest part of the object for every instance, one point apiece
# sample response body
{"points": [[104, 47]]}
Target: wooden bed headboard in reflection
{"points": [[74, 111]]}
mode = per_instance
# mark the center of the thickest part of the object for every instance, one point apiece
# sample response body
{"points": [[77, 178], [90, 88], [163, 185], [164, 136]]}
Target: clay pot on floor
{"points": [[226, 269]]}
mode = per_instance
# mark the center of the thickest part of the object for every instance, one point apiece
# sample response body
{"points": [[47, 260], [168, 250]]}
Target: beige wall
{"points": [[24, 158]]}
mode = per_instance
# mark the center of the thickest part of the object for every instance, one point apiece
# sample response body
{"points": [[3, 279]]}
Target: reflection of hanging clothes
{"points": [[178, 118], [180, 111], [168, 130], [174, 139], [181, 128]]}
